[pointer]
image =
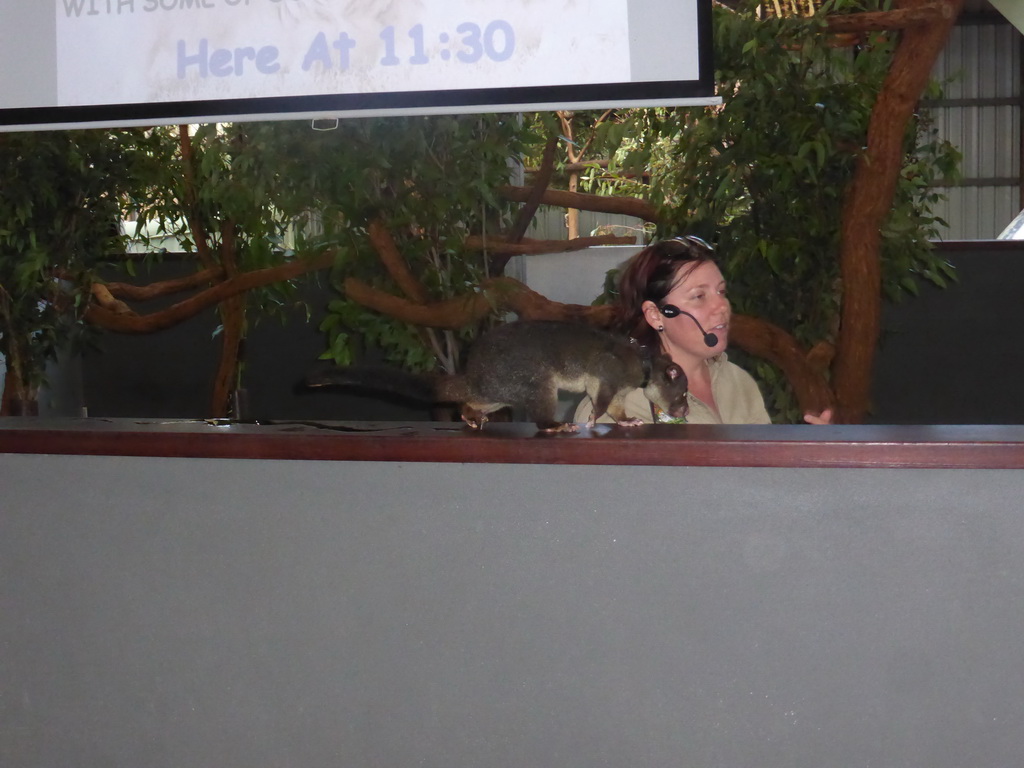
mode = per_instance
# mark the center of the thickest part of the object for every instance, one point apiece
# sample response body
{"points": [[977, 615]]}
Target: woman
{"points": [[672, 297]]}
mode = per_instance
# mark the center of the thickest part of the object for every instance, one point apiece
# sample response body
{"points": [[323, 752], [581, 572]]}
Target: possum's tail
{"points": [[418, 387]]}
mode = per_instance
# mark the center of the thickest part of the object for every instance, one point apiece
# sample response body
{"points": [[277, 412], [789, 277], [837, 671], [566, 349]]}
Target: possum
{"points": [[524, 364]]}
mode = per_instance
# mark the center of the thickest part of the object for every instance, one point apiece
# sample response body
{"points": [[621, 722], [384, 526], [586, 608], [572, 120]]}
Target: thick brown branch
{"points": [[767, 341], [495, 296], [183, 310], [534, 196], [103, 297], [629, 206], [593, 133], [195, 221], [867, 204], [228, 253], [532, 247], [232, 321], [846, 40], [165, 287], [232, 314], [565, 118], [880, 21], [385, 246]]}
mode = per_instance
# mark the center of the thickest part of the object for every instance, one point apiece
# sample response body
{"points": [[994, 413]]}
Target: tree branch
{"points": [[881, 21], [396, 266], [867, 204], [527, 246], [497, 295], [768, 341], [533, 198], [629, 206], [183, 310], [164, 287], [232, 322], [195, 221], [103, 297]]}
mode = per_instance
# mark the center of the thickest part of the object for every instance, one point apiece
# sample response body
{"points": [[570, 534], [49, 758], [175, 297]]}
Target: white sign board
{"points": [[121, 62]]}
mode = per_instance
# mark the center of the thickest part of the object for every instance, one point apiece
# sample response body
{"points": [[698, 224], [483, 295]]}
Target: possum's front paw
{"points": [[559, 427], [475, 418], [629, 422]]}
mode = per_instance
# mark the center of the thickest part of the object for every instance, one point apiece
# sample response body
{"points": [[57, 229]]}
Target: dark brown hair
{"points": [[650, 276]]}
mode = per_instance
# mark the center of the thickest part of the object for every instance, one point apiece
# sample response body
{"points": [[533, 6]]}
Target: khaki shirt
{"points": [[736, 394]]}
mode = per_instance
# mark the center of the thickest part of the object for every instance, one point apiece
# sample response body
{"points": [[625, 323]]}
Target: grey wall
{"points": [[172, 612]]}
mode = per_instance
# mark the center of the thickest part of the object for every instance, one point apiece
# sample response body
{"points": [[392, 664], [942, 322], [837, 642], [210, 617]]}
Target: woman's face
{"points": [[701, 292]]}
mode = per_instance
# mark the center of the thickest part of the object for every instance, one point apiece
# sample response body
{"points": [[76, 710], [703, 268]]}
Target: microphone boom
{"points": [[671, 310]]}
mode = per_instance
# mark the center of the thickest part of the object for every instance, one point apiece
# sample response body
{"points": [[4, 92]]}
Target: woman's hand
{"points": [[825, 417]]}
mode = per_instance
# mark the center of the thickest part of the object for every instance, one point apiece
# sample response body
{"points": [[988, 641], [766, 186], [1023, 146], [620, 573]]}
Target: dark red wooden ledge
{"points": [[976, 447]]}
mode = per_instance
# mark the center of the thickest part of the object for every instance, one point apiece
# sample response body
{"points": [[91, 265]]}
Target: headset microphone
{"points": [[671, 310]]}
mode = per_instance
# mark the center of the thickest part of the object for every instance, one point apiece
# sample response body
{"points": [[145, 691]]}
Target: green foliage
{"points": [[765, 174], [275, 191], [230, 189], [59, 219], [431, 181]]}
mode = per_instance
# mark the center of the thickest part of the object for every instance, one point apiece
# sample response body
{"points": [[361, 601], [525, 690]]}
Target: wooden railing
{"points": [[998, 447]]}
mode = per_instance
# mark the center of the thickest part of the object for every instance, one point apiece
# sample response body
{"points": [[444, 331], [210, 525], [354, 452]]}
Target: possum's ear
{"points": [[674, 372]]}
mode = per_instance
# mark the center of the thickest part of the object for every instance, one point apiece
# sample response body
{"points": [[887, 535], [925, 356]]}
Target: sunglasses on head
{"points": [[688, 242]]}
